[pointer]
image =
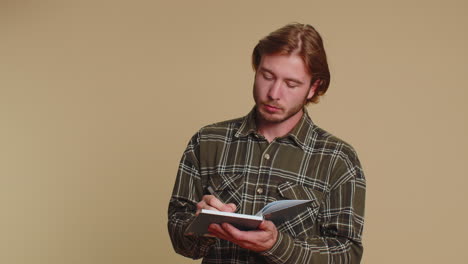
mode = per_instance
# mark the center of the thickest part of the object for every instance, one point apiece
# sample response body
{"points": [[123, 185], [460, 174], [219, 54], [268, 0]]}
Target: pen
{"points": [[212, 192]]}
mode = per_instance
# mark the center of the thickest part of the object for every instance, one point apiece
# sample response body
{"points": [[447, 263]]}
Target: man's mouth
{"points": [[272, 108]]}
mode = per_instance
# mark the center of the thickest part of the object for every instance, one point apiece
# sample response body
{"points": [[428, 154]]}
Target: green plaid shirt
{"points": [[244, 169]]}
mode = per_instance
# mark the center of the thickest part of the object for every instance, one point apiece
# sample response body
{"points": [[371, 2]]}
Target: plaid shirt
{"points": [[243, 168]]}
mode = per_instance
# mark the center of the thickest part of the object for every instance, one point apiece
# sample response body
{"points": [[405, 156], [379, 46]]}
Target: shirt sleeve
{"points": [[187, 192], [340, 220]]}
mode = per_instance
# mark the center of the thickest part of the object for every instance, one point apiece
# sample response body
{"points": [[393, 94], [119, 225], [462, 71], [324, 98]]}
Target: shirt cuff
{"points": [[204, 243], [281, 250]]}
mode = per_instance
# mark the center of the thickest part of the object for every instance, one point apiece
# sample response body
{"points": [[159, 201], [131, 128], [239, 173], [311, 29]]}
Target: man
{"points": [[274, 153]]}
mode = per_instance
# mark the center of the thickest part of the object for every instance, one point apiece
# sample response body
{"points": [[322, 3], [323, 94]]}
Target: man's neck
{"points": [[271, 130]]}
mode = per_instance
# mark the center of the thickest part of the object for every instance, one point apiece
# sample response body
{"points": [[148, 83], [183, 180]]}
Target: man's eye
{"points": [[267, 77], [291, 85]]}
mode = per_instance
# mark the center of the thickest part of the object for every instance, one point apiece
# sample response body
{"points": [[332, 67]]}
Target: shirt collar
{"points": [[248, 125], [299, 134]]}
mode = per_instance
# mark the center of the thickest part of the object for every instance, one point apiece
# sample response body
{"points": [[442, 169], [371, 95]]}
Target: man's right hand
{"points": [[210, 202]]}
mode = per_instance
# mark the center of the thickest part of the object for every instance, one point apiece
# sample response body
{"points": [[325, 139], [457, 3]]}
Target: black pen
{"points": [[212, 192]]}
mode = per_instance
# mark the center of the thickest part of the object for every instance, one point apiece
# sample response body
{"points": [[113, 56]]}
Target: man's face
{"points": [[281, 88]]}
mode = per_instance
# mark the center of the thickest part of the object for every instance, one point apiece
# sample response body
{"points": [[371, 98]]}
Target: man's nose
{"points": [[275, 90]]}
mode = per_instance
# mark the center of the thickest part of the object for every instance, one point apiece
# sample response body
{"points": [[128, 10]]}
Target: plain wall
{"points": [[98, 99]]}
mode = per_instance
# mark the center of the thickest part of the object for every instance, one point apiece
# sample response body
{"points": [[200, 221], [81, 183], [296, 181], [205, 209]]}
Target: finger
{"points": [[221, 236], [244, 243], [266, 225], [254, 237], [234, 232], [269, 230], [218, 231], [213, 229], [212, 201], [251, 241], [202, 205], [233, 207]]}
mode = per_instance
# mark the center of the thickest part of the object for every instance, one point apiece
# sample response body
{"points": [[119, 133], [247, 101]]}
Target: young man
{"points": [[274, 153]]}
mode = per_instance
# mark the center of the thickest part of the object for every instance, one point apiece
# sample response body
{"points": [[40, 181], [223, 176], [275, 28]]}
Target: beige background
{"points": [[99, 98]]}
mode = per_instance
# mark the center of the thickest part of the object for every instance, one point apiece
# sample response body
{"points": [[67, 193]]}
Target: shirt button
{"points": [[260, 190], [267, 156]]}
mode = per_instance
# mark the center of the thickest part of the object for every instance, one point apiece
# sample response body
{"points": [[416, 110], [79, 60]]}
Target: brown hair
{"points": [[303, 40]]}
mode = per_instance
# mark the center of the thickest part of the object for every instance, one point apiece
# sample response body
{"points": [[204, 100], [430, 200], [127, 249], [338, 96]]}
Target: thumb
{"points": [[266, 225], [232, 207]]}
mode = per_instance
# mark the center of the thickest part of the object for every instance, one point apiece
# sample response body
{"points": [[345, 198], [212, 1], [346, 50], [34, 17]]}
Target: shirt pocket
{"points": [[305, 221], [228, 186]]}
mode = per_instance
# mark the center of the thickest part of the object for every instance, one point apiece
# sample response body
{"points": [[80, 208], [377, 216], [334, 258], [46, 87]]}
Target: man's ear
{"points": [[313, 88]]}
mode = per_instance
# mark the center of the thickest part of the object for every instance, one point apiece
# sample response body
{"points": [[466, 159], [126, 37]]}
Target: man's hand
{"points": [[257, 240], [210, 202]]}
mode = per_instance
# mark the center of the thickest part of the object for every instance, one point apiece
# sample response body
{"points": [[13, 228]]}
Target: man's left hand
{"points": [[257, 240]]}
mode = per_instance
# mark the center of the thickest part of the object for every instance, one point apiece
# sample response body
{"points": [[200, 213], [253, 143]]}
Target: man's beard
{"points": [[271, 118], [276, 119]]}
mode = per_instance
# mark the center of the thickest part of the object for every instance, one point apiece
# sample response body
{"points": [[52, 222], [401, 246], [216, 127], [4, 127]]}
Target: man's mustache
{"points": [[276, 105]]}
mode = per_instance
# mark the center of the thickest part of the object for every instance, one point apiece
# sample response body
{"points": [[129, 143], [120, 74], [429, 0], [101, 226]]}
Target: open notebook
{"points": [[277, 212]]}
